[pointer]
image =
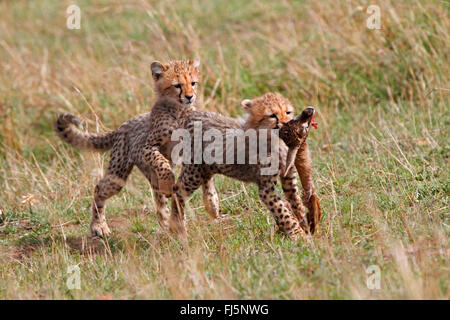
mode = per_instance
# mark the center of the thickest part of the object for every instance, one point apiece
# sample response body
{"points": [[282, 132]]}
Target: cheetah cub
{"points": [[144, 141], [269, 111]]}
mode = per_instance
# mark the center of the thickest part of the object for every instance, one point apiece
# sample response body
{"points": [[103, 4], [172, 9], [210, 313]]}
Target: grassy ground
{"points": [[381, 154]]}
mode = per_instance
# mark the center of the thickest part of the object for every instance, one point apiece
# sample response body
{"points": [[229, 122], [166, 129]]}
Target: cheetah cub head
{"points": [[177, 79], [270, 111]]}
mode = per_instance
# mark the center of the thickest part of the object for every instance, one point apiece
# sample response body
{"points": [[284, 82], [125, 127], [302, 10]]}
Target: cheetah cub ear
{"points": [[157, 69], [246, 104], [195, 63]]}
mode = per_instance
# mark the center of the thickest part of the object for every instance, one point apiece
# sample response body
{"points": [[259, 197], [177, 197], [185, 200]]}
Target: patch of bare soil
{"points": [[87, 244], [18, 252]]}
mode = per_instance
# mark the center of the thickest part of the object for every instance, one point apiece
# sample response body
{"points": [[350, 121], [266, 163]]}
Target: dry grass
{"points": [[381, 153]]}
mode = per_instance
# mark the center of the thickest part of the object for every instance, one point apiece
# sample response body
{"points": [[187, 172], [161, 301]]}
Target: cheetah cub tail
{"points": [[65, 127]]}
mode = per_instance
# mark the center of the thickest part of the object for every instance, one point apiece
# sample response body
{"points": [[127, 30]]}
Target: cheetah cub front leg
{"points": [[286, 222]]}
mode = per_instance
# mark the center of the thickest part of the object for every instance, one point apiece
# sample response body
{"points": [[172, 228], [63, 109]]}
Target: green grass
{"points": [[380, 155]]}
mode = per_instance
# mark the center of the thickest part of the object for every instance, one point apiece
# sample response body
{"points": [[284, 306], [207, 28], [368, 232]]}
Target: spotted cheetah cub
{"points": [[269, 111], [144, 141]]}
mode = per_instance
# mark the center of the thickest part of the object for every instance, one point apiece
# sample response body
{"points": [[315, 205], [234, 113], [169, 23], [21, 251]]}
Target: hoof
{"points": [[314, 213], [177, 229]]}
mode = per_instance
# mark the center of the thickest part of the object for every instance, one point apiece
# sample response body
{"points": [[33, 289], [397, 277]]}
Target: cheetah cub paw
{"points": [[99, 229]]}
